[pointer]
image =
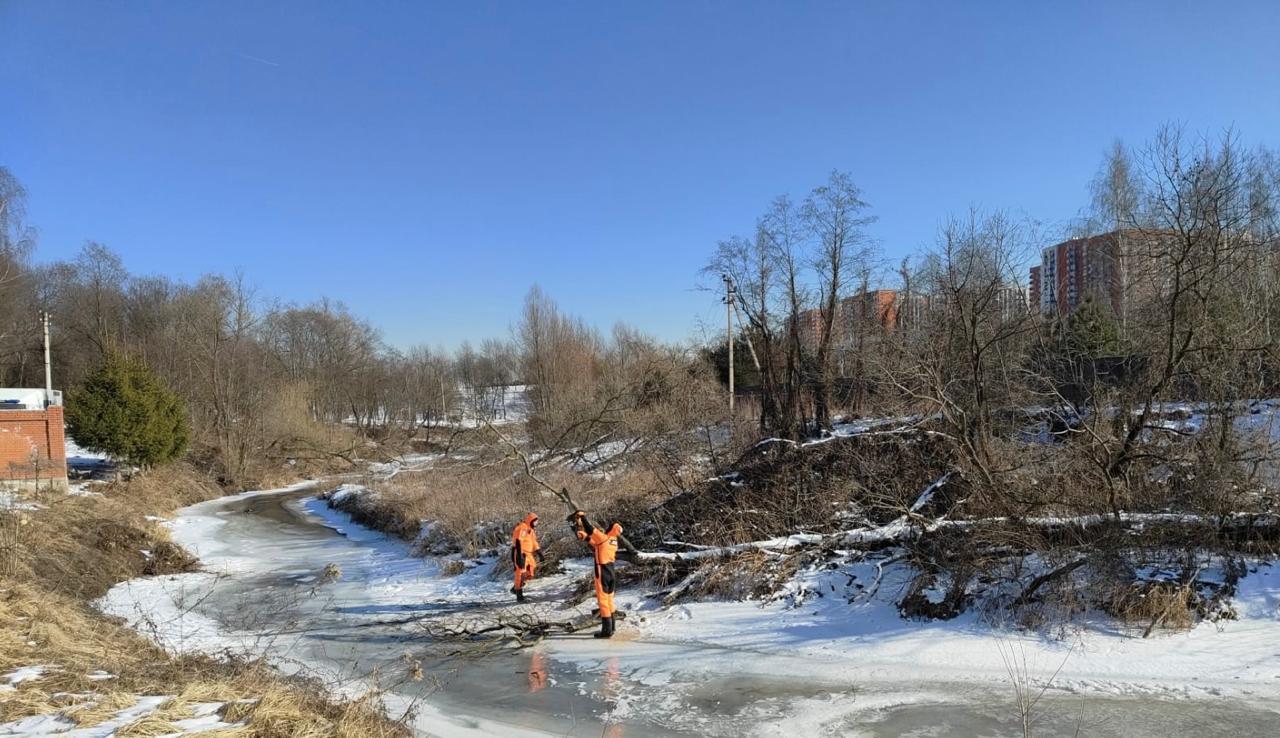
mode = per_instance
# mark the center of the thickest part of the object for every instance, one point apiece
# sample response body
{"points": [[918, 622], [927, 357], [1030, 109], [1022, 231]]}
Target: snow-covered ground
{"points": [[84, 464], [831, 656], [841, 631], [498, 405], [405, 463]]}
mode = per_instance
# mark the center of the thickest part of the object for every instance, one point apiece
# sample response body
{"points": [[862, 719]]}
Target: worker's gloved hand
{"points": [[539, 556]]}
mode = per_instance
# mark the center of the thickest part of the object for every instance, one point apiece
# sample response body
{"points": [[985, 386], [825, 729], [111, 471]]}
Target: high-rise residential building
{"points": [[1012, 302], [810, 324], [913, 310], [1077, 269]]}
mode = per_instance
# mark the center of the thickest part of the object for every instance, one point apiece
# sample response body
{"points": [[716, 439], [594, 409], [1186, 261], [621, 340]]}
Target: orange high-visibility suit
{"points": [[605, 545], [524, 551]]}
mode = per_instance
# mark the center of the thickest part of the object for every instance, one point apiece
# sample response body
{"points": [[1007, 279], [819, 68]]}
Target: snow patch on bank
{"points": [[204, 717], [165, 609], [23, 674], [10, 501]]}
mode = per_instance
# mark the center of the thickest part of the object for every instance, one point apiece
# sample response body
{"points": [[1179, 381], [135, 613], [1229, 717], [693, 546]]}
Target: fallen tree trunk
{"points": [[506, 631], [906, 528], [911, 525], [1034, 586], [786, 543]]}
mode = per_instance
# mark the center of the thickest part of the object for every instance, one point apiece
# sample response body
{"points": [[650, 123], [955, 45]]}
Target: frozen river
{"points": [[263, 594]]}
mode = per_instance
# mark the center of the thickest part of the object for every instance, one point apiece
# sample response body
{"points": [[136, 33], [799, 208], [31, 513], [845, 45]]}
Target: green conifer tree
{"points": [[1092, 331], [123, 409]]}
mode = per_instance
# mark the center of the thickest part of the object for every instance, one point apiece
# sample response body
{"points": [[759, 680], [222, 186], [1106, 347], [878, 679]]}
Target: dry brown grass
{"points": [[81, 546], [1154, 604], [751, 575], [453, 568], [42, 627], [474, 508], [279, 714]]}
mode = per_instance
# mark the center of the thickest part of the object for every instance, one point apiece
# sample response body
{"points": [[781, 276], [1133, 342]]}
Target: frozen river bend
{"points": [[830, 665]]}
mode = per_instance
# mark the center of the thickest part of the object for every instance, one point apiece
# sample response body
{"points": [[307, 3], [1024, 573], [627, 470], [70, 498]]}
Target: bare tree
{"points": [[102, 281], [561, 359], [336, 354], [486, 376], [765, 297], [781, 228], [1116, 194], [17, 289], [834, 214], [1195, 251], [966, 361], [429, 384]]}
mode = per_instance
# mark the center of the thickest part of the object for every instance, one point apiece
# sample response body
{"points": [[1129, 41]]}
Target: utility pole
{"points": [[48, 367], [729, 295]]}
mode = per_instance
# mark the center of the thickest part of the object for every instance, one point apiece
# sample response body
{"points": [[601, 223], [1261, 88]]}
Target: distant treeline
{"points": [[267, 382]]}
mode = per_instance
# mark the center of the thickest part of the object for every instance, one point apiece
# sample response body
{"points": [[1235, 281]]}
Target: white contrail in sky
{"points": [[260, 60]]}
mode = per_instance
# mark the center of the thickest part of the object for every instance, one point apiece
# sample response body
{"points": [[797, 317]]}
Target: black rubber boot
{"points": [[606, 628], [519, 595]]}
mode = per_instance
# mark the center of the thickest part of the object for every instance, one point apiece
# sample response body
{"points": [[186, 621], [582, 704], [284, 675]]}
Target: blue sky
{"points": [[425, 163]]}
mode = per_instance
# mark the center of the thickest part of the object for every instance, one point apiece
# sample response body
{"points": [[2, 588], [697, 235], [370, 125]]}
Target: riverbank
{"points": [[65, 666], [303, 587]]}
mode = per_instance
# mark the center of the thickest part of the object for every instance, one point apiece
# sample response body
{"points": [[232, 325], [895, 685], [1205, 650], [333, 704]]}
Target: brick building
{"points": [[874, 307], [865, 309], [33, 450], [810, 324]]}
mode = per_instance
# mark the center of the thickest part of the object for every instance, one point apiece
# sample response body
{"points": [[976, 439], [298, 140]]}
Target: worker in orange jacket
{"points": [[525, 553], [605, 545]]}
